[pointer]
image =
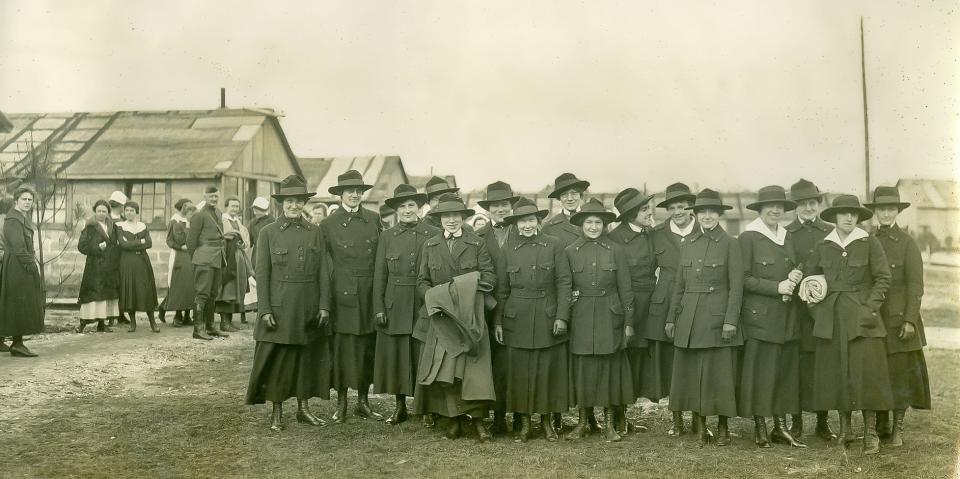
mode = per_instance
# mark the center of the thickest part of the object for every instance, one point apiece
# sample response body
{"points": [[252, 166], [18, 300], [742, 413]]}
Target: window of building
{"points": [[152, 197]]}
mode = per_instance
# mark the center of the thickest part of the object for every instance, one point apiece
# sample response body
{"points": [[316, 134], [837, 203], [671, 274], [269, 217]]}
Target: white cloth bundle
{"points": [[813, 288]]}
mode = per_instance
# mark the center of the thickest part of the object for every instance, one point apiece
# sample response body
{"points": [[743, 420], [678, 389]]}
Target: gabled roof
{"points": [[138, 144], [5, 125], [927, 193], [321, 173]]}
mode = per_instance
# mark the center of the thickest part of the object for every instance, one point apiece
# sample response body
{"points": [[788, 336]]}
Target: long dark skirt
{"points": [[851, 375], [637, 357], [395, 364], [138, 288], [538, 380], [499, 361], [446, 400], [181, 293], [808, 362], [284, 371], [353, 360], [602, 380], [705, 381], [909, 380], [657, 371], [769, 379]]}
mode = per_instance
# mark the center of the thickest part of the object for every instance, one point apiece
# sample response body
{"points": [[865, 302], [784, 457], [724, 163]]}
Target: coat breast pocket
{"points": [[279, 256]]}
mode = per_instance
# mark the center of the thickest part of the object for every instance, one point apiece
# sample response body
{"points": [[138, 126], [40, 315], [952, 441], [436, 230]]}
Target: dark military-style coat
{"points": [[902, 304], [764, 315], [806, 236], [666, 253], [559, 227], [351, 239], [395, 275], [205, 241], [527, 291], [640, 258], [439, 265], [594, 295], [857, 280], [101, 269], [292, 280], [708, 291]]}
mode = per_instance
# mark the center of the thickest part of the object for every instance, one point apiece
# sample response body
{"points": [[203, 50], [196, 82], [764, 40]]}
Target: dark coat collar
{"points": [[603, 241], [818, 223]]}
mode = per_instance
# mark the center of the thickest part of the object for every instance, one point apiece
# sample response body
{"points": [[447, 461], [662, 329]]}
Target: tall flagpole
{"points": [[866, 125]]}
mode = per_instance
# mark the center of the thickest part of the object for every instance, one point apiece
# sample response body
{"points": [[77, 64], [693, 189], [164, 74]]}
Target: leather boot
{"points": [[703, 434], [871, 441], [557, 422], [516, 423], [452, 427], [340, 415], [429, 421], [522, 433], [549, 432], [677, 428], [610, 433], [499, 423], [723, 431], [243, 317], [896, 437], [482, 434], [304, 414], [79, 328], [4, 348], [153, 324], [101, 328], [363, 407], [121, 319], [796, 426], [178, 319], [760, 432], [592, 420], [226, 323], [133, 323], [187, 319], [400, 412], [112, 321], [582, 429], [781, 435], [846, 432], [883, 424], [198, 326], [19, 350], [208, 321], [694, 423], [823, 430], [620, 420], [162, 314], [276, 419]]}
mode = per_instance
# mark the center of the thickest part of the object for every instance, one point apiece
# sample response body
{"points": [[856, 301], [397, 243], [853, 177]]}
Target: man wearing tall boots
{"points": [[498, 202], [807, 230], [206, 244], [352, 234]]}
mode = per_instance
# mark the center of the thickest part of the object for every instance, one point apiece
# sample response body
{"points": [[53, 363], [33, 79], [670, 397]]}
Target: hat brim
{"points": [[452, 189], [337, 190], [695, 208], [485, 204], [396, 201], [788, 205], [689, 198], [540, 214], [466, 212], [281, 196], [902, 205], [632, 207], [606, 216], [818, 197], [830, 214], [580, 186]]}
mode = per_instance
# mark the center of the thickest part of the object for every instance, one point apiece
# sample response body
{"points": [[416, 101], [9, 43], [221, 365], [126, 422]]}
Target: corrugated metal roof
{"points": [[5, 125]]}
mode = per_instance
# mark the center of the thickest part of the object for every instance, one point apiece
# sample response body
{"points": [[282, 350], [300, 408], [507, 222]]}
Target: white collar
{"points": [[447, 234], [132, 227], [564, 212], [349, 209], [682, 232], [638, 229], [179, 218], [227, 217], [854, 235], [758, 226]]}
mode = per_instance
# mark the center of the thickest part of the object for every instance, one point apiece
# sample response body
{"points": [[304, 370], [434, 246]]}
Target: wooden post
{"points": [[866, 123]]}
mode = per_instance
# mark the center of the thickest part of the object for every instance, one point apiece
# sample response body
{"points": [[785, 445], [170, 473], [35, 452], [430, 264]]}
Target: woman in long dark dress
{"points": [[138, 288], [21, 294], [6, 202], [851, 370], [180, 292], [238, 271], [100, 286]]}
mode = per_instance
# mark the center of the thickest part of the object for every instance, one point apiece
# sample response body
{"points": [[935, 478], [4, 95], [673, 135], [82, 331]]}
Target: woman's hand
{"points": [[381, 319], [668, 330], [498, 334], [786, 287], [102, 245], [729, 331], [271, 323], [907, 332], [795, 276], [559, 328]]}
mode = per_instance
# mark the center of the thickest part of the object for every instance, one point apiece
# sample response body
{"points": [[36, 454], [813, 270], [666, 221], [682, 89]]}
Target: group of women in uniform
{"points": [[592, 309]]}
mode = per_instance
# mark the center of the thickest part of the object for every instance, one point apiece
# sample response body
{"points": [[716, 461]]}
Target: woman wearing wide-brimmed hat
{"points": [[770, 358], [901, 314], [450, 382], [292, 356], [568, 190], [704, 321], [395, 302], [537, 357], [596, 301], [634, 235], [851, 364], [667, 237]]}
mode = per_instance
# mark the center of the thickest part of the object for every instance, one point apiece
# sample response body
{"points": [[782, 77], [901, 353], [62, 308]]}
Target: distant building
{"points": [[934, 210], [383, 172]]}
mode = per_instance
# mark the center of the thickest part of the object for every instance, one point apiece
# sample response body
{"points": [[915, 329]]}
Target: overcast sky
{"points": [[727, 94]]}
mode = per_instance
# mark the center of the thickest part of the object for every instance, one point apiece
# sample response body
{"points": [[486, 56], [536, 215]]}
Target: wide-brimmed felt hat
{"points": [[593, 207], [439, 186], [350, 179], [386, 210], [772, 194], [524, 207], [496, 192], [845, 203], [804, 190], [628, 200], [709, 199], [293, 186], [451, 203], [887, 196], [404, 192], [677, 192], [566, 182]]}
